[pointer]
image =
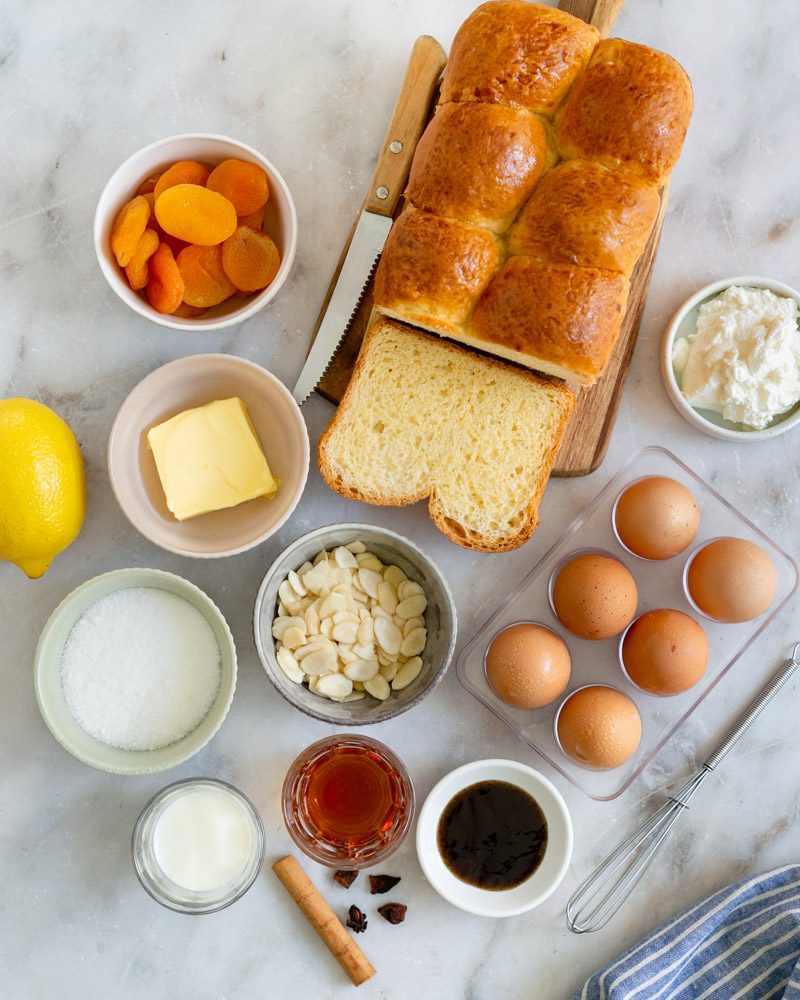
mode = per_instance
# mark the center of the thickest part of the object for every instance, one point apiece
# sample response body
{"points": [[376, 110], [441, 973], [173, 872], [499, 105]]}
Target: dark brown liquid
{"points": [[492, 835]]}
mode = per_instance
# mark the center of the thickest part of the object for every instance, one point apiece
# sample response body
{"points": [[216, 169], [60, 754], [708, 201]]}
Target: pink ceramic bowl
{"points": [[179, 386]]}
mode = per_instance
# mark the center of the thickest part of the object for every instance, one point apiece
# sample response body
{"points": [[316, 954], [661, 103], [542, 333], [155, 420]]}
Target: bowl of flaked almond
{"points": [[354, 624]]}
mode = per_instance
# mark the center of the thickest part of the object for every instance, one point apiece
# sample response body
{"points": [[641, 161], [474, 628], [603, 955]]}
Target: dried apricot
{"points": [[255, 220], [195, 214], [128, 228], [185, 311], [137, 270], [148, 185], [251, 260], [182, 172], [175, 245], [165, 284], [205, 281], [245, 184]]}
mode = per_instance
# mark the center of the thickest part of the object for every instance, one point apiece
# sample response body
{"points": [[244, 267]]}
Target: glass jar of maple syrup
{"points": [[348, 801]]}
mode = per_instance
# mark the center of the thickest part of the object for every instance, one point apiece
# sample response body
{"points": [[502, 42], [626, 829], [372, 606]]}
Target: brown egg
{"points": [[527, 665], [599, 727], [594, 596], [656, 518], [732, 580], [665, 652]]}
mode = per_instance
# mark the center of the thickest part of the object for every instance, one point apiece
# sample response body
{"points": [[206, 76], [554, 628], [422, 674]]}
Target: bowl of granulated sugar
{"points": [[135, 671]]}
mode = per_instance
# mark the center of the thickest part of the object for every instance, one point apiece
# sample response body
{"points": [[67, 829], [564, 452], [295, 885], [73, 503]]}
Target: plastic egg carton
{"points": [[660, 585]]}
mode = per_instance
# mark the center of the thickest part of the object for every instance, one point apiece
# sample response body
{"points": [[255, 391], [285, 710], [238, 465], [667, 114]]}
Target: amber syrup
{"points": [[352, 796]]}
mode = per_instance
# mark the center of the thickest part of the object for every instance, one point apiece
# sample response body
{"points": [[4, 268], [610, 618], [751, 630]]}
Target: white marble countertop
{"points": [[312, 85]]}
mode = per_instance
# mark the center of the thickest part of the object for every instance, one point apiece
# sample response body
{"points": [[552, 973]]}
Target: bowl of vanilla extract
{"points": [[494, 838]]}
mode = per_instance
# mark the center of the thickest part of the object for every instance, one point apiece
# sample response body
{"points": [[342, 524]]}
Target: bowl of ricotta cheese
{"points": [[730, 359]]}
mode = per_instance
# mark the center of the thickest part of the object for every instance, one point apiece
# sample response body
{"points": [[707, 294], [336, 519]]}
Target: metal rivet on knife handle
{"points": [[382, 192], [409, 117]]}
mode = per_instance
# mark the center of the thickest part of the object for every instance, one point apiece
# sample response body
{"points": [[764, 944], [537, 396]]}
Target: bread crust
{"points": [[455, 532], [556, 314], [433, 270], [478, 163], [583, 213], [630, 111], [518, 53]]}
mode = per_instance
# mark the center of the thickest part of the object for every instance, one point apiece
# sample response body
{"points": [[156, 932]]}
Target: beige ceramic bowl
{"points": [[280, 222], [178, 386]]}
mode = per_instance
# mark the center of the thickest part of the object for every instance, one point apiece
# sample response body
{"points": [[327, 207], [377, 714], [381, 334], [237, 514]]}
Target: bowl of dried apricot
{"points": [[196, 232]]}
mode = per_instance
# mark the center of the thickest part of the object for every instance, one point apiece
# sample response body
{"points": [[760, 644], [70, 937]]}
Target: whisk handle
{"points": [[755, 708]]}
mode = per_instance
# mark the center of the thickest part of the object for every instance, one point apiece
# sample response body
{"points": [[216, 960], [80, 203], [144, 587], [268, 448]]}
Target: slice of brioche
{"points": [[425, 418]]}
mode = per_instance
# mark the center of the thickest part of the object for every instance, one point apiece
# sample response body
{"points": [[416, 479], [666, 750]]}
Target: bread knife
{"points": [[375, 220]]}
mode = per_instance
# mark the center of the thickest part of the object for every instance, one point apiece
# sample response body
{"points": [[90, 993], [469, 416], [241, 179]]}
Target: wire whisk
{"points": [[602, 893]]}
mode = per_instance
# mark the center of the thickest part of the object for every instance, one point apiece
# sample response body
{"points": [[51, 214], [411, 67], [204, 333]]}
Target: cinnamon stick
{"points": [[324, 921]]}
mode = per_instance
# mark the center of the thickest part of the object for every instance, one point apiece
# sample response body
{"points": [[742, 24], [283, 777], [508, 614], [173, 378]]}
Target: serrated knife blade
{"points": [[362, 257], [388, 183]]}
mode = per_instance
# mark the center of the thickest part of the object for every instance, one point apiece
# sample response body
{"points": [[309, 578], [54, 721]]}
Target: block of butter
{"points": [[209, 458]]}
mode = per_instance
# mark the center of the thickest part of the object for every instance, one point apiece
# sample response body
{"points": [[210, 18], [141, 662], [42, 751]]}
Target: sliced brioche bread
{"points": [[425, 418]]}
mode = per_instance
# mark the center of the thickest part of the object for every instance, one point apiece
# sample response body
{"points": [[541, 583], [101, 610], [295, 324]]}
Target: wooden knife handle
{"points": [[408, 121], [601, 13]]}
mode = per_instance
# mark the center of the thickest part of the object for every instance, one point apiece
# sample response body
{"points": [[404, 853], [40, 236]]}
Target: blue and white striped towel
{"points": [[742, 943]]}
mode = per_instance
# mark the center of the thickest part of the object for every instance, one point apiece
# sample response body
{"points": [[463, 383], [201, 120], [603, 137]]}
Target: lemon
{"points": [[42, 485]]}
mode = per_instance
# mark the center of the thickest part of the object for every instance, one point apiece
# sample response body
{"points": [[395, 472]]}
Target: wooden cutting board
{"points": [[589, 429]]}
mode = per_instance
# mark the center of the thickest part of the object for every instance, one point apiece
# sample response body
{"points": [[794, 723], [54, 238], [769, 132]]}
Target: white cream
{"points": [[744, 360], [203, 839]]}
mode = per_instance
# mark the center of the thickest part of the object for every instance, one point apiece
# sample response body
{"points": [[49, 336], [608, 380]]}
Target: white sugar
{"points": [[140, 669]]}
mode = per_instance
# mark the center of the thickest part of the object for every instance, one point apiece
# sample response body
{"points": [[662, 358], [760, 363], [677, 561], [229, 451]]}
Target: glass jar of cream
{"points": [[198, 845]]}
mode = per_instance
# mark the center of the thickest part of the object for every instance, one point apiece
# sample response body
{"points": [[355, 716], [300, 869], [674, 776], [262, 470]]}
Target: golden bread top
{"points": [[630, 110], [572, 200], [565, 314], [519, 53], [478, 163], [583, 213], [435, 268]]}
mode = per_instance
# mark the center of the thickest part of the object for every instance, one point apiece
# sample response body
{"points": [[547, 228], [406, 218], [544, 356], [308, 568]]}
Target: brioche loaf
{"points": [[616, 115], [426, 418]]}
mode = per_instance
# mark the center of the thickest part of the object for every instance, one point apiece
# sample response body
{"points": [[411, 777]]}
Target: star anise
{"points": [[356, 920]]}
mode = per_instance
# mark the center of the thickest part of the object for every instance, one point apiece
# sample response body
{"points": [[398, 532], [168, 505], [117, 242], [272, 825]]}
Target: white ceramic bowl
{"points": [[535, 889], [440, 621], [280, 222], [683, 324], [50, 696]]}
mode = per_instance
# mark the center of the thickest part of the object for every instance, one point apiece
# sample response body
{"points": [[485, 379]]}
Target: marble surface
{"points": [[312, 85]]}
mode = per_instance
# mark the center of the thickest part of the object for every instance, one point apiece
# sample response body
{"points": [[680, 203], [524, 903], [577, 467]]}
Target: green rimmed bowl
{"points": [[50, 696]]}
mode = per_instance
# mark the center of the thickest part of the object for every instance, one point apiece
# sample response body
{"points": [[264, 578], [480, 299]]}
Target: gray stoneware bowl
{"points": [[440, 620]]}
